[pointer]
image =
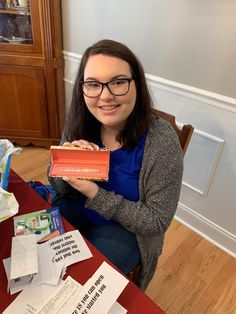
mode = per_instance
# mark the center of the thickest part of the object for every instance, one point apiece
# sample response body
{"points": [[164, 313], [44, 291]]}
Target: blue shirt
{"points": [[123, 179]]}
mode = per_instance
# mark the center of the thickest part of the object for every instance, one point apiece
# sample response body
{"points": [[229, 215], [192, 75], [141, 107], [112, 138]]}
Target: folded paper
{"points": [[33, 264], [24, 256]]}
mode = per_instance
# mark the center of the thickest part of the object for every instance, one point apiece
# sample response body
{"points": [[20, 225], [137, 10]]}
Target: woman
{"points": [[126, 217]]}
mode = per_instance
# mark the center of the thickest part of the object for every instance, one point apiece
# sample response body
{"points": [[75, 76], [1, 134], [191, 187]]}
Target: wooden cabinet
{"points": [[31, 72]]}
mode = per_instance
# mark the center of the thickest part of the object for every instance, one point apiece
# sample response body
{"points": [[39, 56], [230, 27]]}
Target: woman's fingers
{"points": [[67, 144], [95, 146], [88, 188], [85, 144]]}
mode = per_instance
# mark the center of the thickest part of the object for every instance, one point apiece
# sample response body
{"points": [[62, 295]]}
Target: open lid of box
{"points": [[68, 161]]}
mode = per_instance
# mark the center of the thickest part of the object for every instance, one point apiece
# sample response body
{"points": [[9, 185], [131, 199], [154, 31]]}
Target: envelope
{"points": [[68, 161]]}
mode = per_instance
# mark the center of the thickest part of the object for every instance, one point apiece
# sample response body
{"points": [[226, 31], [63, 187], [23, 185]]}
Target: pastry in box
{"points": [[71, 161]]}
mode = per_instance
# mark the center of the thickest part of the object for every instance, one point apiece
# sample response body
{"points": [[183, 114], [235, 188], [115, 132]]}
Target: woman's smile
{"points": [[109, 107]]}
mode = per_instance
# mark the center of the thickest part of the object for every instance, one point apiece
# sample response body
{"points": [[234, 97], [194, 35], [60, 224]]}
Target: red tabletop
{"points": [[132, 298]]}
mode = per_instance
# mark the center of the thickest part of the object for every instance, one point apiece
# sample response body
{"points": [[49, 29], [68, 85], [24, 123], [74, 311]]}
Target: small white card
{"points": [[24, 256]]}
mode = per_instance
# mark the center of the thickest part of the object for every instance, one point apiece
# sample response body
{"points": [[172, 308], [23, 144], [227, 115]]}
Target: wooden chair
{"points": [[184, 135]]}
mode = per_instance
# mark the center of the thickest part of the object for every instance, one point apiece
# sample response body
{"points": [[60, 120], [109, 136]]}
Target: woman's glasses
{"points": [[117, 87]]}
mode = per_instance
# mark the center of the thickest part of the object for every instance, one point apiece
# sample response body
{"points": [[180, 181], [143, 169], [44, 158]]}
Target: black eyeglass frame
{"points": [[128, 79]]}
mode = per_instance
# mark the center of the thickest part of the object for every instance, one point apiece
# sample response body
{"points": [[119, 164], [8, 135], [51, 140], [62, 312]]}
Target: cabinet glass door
{"points": [[19, 25], [15, 22]]}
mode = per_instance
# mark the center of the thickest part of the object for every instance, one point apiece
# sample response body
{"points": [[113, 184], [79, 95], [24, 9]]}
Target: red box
{"points": [[67, 161]]}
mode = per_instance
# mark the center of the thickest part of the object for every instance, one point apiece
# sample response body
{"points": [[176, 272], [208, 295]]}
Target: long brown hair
{"points": [[81, 124]]}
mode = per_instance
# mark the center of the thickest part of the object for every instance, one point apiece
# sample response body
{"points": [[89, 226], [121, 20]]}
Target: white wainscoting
{"points": [[209, 98], [200, 161], [204, 154]]}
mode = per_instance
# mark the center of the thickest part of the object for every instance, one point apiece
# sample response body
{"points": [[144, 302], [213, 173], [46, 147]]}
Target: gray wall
{"points": [[187, 41]]}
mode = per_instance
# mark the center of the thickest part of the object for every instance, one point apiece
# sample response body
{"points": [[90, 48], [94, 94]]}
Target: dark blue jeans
{"points": [[117, 243]]}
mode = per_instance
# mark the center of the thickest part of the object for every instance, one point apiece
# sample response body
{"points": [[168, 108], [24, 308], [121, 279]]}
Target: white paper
{"points": [[49, 272], [117, 309], [18, 284], [53, 258], [30, 301], [98, 294], [24, 256], [61, 297], [68, 248]]}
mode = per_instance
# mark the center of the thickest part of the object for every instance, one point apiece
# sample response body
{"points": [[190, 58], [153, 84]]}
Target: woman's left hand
{"points": [[86, 187]]}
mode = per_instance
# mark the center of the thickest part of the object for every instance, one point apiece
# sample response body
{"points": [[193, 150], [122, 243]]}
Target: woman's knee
{"points": [[117, 244]]}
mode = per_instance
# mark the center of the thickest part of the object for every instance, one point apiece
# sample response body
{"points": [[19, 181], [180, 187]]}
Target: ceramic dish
{"points": [[15, 40]]}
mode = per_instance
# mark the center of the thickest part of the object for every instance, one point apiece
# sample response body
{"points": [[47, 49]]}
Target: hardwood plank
{"points": [[199, 279], [32, 163]]}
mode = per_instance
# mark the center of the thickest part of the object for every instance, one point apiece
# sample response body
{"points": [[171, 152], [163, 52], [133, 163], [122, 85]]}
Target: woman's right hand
{"points": [[82, 144]]}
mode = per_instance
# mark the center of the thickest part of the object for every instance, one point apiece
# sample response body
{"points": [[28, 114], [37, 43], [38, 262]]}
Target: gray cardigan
{"points": [[159, 189]]}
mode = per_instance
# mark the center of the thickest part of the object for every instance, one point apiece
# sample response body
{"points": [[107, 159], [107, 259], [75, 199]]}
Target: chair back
{"points": [[184, 133]]}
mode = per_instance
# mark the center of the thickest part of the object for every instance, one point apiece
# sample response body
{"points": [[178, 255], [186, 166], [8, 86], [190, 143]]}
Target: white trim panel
{"points": [[209, 98], [201, 160]]}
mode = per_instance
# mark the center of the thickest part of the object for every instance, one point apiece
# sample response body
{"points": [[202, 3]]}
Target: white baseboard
{"points": [[207, 229]]}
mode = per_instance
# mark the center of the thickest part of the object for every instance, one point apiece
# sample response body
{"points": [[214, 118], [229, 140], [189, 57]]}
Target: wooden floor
{"points": [[193, 276]]}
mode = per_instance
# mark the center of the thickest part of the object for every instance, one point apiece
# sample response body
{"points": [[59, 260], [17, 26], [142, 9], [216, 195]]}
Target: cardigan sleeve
{"points": [[159, 184]]}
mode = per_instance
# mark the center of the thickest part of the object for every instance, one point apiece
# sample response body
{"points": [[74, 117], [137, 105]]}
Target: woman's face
{"points": [[112, 111]]}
